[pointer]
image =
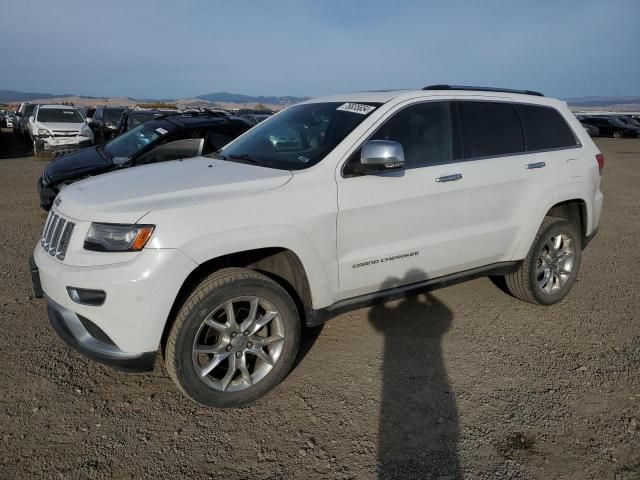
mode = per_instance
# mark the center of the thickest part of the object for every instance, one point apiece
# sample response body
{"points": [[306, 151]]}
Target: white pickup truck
{"points": [[329, 205]]}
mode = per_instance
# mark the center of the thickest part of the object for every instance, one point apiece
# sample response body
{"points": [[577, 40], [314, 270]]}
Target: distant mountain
{"points": [[13, 96], [602, 101], [239, 98]]}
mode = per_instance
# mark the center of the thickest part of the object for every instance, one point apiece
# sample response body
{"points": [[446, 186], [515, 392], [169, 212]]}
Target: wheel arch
{"points": [[574, 209], [280, 264]]}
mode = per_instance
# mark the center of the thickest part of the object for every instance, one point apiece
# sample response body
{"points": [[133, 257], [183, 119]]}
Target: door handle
{"points": [[449, 178], [530, 166]]}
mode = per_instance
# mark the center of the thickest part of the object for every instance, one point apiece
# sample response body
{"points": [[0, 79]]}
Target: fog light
{"points": [[83, 296]]}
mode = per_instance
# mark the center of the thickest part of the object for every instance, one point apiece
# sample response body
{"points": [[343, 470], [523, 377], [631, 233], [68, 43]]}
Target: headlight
{"points": [[85, 131], [106, 237], [43, 132]]}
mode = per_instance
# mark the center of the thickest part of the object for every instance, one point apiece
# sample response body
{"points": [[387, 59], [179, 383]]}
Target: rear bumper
{"points": [[87, 338]]}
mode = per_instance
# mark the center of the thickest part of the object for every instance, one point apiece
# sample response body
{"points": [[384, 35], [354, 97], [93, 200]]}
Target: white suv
{"points": [[58, 128], [329, 205]]}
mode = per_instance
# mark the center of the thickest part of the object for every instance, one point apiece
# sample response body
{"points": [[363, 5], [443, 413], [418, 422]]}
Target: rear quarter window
{"points": [[490, 129], [545, 128]]}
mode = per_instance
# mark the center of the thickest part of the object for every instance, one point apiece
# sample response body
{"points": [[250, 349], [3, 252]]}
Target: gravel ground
{"points": [[464, 382]]}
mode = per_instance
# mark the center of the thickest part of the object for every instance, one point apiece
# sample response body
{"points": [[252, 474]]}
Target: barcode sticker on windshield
{"points": [[356, 108], [161, 131]]}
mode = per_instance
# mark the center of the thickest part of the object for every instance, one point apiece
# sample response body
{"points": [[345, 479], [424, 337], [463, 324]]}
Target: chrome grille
{"points": [[56, 235]]}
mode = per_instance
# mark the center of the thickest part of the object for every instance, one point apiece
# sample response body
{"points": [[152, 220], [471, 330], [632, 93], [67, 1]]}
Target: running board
{"points": [[318, 317]]}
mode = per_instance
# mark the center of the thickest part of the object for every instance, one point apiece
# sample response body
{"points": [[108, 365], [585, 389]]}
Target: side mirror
{"points": [[88, 120], [379, 156], [31, 119]]}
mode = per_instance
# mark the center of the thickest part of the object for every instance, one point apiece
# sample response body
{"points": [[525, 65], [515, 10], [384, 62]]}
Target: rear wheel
{"points": [[234, 339], [617, 134], [548, 272]]}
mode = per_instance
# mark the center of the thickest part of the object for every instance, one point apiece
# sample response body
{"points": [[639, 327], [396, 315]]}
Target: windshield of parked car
{"points": [[617, 123], [298, 137], [59, 115], [140, 118], [112, 114], [131, 142]]}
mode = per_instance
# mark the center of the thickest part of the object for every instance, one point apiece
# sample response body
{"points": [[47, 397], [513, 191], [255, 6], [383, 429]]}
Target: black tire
{"points": [[215, 290], [523, 283], [617, 134]]}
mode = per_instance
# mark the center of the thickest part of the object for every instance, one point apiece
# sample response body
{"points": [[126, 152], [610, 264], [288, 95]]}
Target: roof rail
{"points": [[482, 89]]}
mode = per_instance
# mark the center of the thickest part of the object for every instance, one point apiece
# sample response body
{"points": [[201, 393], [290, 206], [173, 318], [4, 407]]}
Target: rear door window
{"points": [[490, 129], [544, 128]]}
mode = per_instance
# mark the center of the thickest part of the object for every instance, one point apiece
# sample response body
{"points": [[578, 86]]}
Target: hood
{"points": [[60, 126], [75, 165], [124, 196]]}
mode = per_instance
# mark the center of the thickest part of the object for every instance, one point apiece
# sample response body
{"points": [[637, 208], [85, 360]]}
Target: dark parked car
{"points": [[104, 123], [165, 138], [612, 127], [130, 119], [632, 122], [592, 130], [255, 119]]}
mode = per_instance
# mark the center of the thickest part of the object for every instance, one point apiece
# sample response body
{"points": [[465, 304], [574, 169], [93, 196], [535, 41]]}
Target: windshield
{"points": [[28, 110], [140, 118], [59, 115], [112, 114], [298, 137], [131, 142], [617, 122]]}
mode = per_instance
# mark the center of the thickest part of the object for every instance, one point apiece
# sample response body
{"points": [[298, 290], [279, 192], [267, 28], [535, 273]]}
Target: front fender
{"points": [[211, 246]]}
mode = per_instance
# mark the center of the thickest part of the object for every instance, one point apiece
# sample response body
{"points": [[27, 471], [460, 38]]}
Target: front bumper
{"points": [[62, 145], [86, 337], [47, 195], [139, 294]]}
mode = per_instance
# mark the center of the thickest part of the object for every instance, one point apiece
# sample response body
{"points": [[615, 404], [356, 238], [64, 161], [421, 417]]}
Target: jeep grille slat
{"points": [[56, 235]]}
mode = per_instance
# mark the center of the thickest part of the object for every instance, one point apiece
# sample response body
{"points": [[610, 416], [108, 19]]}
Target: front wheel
{"points": [[234, 339], [617, 134], [548, 272]]}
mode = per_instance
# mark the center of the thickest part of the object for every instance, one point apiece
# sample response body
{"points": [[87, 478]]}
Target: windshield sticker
{"points": [[303, 159], [356, 108], [161, 131]]}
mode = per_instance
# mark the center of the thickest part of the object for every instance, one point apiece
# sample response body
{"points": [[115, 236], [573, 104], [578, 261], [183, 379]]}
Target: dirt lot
{"points": [[463, 382]]}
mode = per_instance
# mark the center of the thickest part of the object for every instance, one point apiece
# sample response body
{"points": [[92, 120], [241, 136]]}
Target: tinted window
{"points": [[544, 128], [490, 129], [424, 130]]}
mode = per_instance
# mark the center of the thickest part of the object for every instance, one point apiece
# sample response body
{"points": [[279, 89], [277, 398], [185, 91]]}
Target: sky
{"points": [[178, 49]]}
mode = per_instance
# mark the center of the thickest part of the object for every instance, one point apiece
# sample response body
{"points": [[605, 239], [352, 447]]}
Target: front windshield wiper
{"points": [[245, 157]]}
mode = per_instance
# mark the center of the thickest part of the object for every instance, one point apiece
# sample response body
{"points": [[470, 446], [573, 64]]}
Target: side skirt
{"points": [[320, 316]]}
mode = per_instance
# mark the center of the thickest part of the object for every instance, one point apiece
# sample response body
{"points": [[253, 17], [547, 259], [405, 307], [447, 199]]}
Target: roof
{"points": [[448, 92]]}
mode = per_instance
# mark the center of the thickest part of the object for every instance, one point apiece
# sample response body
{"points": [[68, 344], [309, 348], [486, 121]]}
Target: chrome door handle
{"points": [[449, 178], [530, 166]]}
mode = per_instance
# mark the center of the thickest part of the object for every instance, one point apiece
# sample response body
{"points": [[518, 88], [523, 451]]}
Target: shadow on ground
{"points": [[418, 431], [12, 146]]}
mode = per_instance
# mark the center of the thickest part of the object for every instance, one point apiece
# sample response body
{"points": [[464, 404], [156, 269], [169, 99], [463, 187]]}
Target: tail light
{"points": [[600, 160]]}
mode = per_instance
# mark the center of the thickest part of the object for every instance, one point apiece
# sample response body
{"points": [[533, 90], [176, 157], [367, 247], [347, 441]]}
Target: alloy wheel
{"points": [[555, 263], [238, 343]]}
